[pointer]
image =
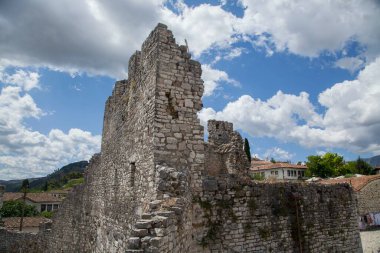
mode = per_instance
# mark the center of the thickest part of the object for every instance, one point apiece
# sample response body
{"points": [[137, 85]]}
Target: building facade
{"points": [[43, 201], [277, 171]]}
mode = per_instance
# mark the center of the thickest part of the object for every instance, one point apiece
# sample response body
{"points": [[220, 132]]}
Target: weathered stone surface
{"points": [[368, 197], [210, 185]]}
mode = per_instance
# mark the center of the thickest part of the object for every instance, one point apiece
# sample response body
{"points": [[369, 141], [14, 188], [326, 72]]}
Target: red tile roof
{"points": [[357, 183], [259, 162], [14, 222], [270, 166], [39, 197]]}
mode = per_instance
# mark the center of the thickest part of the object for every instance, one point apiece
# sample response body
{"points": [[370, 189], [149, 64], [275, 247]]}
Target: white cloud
{"points": [[350, 63], [235, 52], [266, 118], [310, 27], [351, 119], [278, 154], [28, 153], [98, 37], [321, 152], [213, 78], [190, 24], [25, 79]]}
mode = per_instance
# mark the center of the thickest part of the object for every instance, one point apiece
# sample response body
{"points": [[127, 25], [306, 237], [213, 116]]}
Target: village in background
{"points": [[44, 195]]}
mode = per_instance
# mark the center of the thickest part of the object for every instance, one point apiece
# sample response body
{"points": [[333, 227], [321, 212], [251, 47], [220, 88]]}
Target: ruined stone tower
{"points": [[152, 152], [157, 186]]}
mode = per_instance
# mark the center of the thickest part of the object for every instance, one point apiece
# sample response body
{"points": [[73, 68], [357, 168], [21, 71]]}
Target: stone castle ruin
{"points": [[157, 186]]}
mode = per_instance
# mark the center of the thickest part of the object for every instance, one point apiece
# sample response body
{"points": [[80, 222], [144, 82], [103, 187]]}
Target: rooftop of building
{"points": [[260, 165], [14, 222], [357, 183], [37, 197]]}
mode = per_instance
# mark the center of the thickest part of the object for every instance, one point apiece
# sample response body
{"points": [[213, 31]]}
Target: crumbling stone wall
{"points": [[368, 198], [152, 154], [225, 150], [282, 217], [15, 242]]}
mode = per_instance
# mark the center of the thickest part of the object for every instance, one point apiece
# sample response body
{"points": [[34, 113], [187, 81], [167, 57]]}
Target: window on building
{"points": [[55, 206], [43, 207], [276, 172], [49, 207], [303, 173], [288, 173]]}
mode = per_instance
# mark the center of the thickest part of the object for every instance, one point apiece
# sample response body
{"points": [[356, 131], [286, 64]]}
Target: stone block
{"points": [[134, 243]]}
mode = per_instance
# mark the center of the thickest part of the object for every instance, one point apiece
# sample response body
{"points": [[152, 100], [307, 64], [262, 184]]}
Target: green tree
{"points": [[13, 208], [272, 160], [348, 169], [324, 166], [356, 167], [362, 167], [247, 149], [46, 187]]}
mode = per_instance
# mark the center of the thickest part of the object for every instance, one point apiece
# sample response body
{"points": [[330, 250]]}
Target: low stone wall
{"points": [[368, 198], [280, 217], [15, 242]]}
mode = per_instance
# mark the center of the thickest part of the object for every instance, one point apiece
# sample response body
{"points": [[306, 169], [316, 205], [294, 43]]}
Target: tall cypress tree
{"points": [[247, 149]]}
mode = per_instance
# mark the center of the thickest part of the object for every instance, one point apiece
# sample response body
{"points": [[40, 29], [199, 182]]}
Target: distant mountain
{"points": [[14, 185], [56, 177], [373, 161]]}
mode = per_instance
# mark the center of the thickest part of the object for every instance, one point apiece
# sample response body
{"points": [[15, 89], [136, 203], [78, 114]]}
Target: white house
{"points": [[43, 201], [279, 171]]}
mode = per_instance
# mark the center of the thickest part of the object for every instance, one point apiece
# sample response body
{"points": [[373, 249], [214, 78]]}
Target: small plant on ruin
{"points": [[264, 233]]}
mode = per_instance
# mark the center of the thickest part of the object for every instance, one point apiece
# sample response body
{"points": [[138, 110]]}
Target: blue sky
{"points": [[293, 80]]}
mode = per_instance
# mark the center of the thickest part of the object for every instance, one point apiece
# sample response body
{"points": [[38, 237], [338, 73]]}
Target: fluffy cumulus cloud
{"points": [[350, 63], [271, 118], [351, 118], [310, 27], [189, 23], [27, 80], [98, 37], [28, 153], [213, 78], [278, 154], [90, 36]]}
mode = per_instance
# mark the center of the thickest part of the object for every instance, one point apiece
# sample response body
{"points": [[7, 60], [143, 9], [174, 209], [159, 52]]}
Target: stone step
{"points": [[139, 232], [143, 224], [134, 242]]}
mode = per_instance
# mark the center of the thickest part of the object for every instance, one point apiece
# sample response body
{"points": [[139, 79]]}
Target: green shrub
{"points": [[258, 177], [13, 208], [46, 214]]}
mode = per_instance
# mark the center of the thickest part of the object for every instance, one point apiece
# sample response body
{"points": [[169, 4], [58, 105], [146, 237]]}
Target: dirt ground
{"points": [[371, 241]]}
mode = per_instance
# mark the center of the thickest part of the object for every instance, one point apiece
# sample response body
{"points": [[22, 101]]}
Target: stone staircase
{"points": [[149, 234]]}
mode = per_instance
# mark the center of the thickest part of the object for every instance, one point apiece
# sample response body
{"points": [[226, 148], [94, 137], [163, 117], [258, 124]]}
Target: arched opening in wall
{"points": [[133, 172]]}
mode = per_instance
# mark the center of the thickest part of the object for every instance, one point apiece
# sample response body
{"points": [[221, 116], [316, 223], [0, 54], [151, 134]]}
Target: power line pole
{"points": [[24, 188]]}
